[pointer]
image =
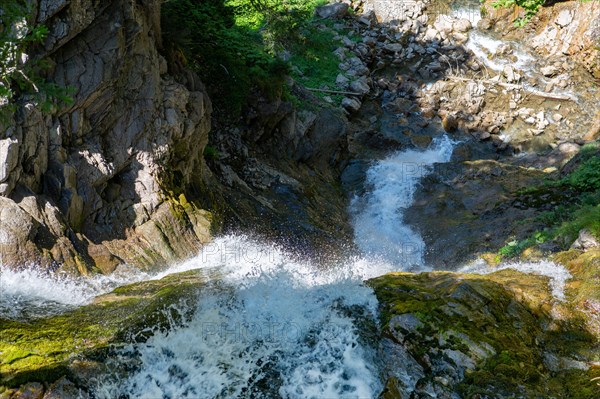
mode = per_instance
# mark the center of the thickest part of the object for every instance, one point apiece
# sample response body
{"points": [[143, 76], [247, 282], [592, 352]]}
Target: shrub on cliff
{"points": [[236, 45], [230, 56], [20, 73]]}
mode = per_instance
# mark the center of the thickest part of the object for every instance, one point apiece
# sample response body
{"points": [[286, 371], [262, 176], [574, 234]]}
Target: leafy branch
{"points": [[20, 73]]}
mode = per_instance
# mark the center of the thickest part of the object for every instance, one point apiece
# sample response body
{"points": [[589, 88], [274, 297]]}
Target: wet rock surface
{"points": [[451, 335]]}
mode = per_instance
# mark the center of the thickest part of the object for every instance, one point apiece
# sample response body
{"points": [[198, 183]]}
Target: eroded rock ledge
{"points": [[87, 186]]}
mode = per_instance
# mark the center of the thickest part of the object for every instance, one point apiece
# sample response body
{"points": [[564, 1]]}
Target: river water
{"points": [[272, 325]]}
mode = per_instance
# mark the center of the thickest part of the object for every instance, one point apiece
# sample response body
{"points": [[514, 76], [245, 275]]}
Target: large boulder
{"points": [[335, 10], [500, 335]]}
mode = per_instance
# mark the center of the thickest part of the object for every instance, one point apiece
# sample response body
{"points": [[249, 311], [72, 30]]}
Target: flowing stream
{"points": [[269, 325]]}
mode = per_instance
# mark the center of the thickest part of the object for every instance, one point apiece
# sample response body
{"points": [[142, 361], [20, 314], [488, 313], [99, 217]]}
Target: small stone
{"points": [[350, 104], [421, 141], [460, 37], [484, 136], [540, 116], [393, 47], [428, 113], [360, 86], [535, 132], [342, 81], [348, 43], [564, 18], [335, 10], [449, 123], [586, 240], [484, 24], [510, 74], [549, 70], [462, 25], [430, 34], [557, 117]]}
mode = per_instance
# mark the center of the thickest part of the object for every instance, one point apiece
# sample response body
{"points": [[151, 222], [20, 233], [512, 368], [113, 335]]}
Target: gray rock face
{"points": [[335, 10], [565, 17], [106, 163]]}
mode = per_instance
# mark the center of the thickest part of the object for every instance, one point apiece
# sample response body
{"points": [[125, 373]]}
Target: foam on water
{"points": [[558, 274], [484, 45], [379, 229], [31, 293], [270, 318]]}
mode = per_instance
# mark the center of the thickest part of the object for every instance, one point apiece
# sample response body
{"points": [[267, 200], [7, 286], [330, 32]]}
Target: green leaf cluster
{"points": [[236, 45], [578, 208], [20, 73], [531, 7]]}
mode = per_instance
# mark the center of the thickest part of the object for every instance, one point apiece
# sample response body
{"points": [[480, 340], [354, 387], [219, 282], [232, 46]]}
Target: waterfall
{"points": [[379, 229]]}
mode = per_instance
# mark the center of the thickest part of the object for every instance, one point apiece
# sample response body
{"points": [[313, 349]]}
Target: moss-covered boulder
{"points": [[501, 335], [75, 343]]}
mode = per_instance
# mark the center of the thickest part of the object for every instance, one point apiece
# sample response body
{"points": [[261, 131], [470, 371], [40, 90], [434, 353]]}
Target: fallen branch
{"points": [[346, 93], [533, 92]]}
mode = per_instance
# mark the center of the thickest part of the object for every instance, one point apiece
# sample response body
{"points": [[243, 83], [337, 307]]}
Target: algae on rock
{"points": [[500, 335], [46, 349]]}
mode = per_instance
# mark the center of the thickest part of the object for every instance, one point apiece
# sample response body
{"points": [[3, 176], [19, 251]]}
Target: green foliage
{"points": [[19, 73], [235, 46], [313, 57], [515, 247], [211, 153], [587, 177], [531, 7], [231, 58], [577, 198], [587, 217]]}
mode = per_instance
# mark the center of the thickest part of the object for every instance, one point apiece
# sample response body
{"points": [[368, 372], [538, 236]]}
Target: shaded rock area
{"points": [[466, 210], [277, 173], [463, 210], [502, 335]]}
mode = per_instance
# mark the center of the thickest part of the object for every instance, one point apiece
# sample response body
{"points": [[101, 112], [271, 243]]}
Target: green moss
{"points": [[43, 350], [508, 311], [570, 203]]}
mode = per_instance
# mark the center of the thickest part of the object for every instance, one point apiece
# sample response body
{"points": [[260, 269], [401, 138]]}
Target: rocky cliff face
{"points": [[91, 184], [119, 176]]}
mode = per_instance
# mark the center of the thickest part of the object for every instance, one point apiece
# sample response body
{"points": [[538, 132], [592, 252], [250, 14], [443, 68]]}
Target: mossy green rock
{"points": [[43, 350], [500, 335]]}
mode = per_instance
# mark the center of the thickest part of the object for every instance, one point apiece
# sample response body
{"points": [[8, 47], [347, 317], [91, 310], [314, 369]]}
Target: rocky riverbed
{"points": [[447, 134]]}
